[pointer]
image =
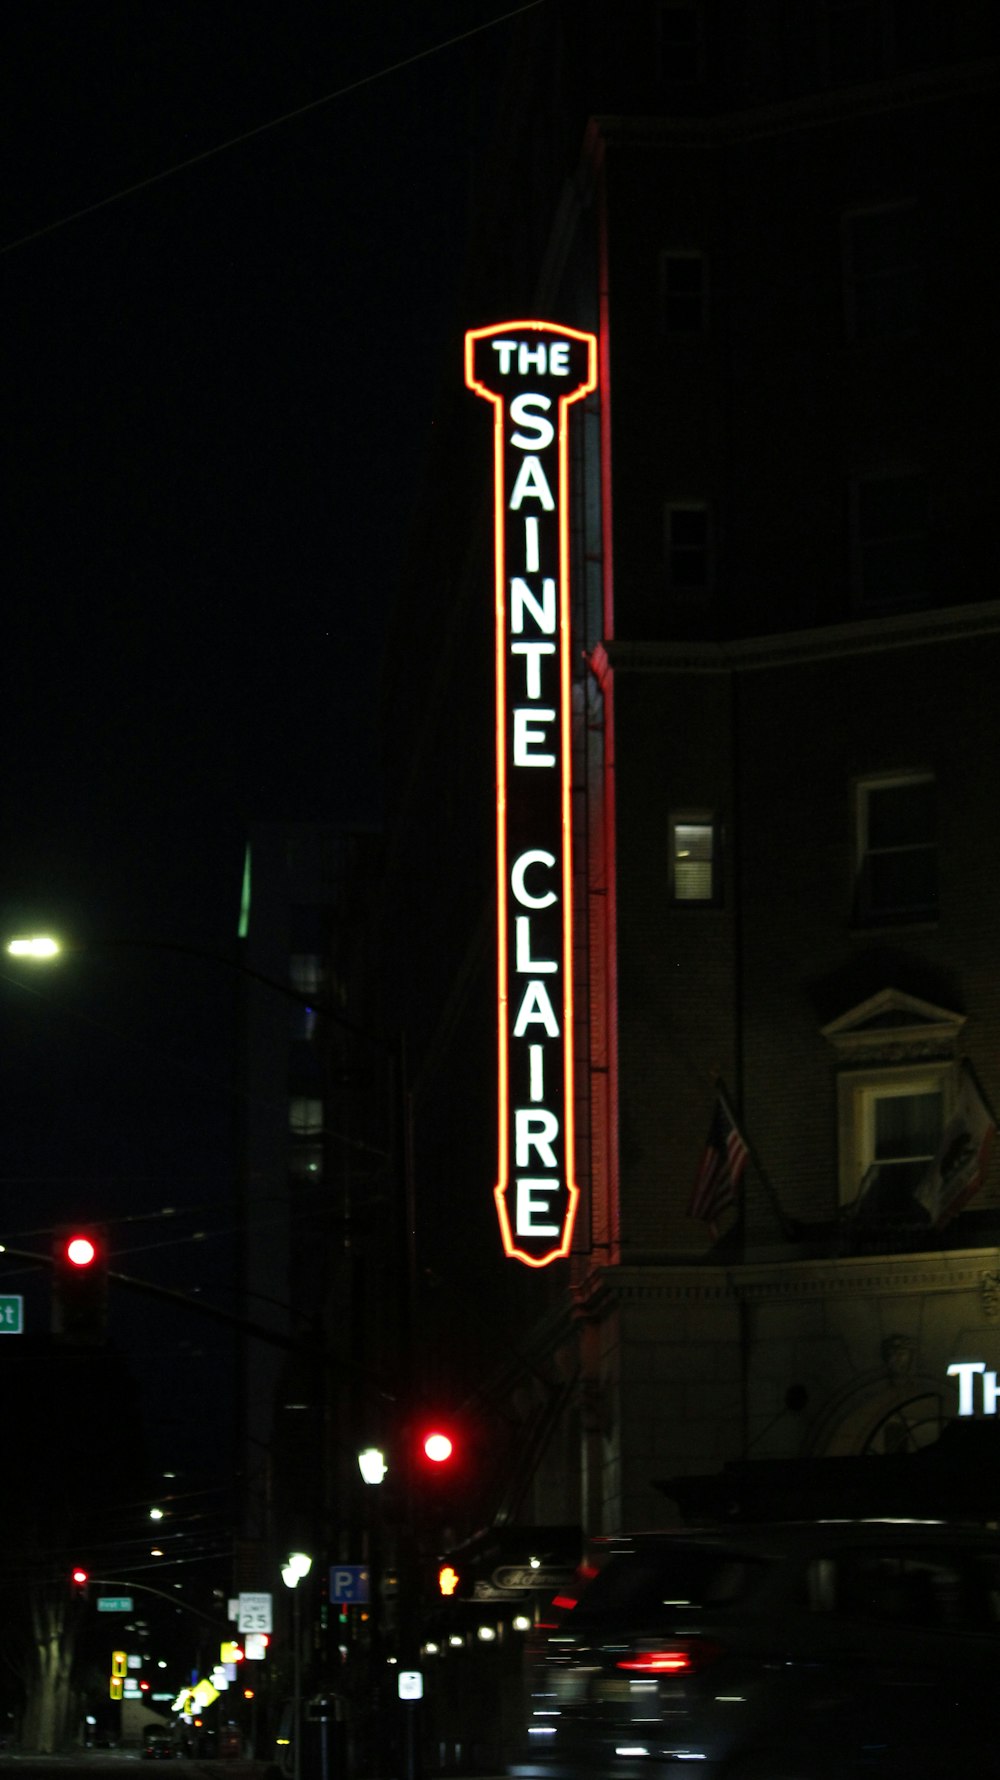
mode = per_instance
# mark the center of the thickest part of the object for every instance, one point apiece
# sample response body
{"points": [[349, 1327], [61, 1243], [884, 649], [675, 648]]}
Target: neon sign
{"points": [[532, 372], [965, 1371]]}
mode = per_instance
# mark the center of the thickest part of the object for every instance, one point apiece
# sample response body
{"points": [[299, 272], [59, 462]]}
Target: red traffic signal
{"points": [[80, 1577], [80, 1284], [80, 1250], [437, 1446]]}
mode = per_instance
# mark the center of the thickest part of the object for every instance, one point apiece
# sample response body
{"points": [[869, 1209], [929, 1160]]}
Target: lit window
{"points": [[882, 272], [305, 1116], [694, 865], [897, 848], [680, 46], [688, 546], [683, 292], [305, 972], [890, 540]]}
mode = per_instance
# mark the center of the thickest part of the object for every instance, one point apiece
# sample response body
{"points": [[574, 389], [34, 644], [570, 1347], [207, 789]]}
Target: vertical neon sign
{"points": [[532, 372]]}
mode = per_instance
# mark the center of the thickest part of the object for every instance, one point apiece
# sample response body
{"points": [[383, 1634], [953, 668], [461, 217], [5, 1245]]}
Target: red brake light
{"points": [[677, 1659]]}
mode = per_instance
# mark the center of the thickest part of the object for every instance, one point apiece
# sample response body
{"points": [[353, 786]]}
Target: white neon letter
{"points": [[536, 1010], [531, 557], [533, 666], [528, 737], [530, 1206], [525, 964], [520, 413], [559, 358], [531, 482], [534, 856], [530, 358], [536, 1073], [506, 349], [964, 1371], [522, 600], [535, 1131], [990, 1393]]}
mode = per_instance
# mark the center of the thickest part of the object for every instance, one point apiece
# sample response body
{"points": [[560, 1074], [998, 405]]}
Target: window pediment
{"points": [[893, 1025]]}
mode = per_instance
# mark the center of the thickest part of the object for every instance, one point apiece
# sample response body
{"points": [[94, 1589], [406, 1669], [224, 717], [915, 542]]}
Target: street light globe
{"points": [[372, 1465], [35, 945], [298, 1565]]}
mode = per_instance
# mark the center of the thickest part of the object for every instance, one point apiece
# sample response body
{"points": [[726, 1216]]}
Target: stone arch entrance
{"points": [[880, 1416]]}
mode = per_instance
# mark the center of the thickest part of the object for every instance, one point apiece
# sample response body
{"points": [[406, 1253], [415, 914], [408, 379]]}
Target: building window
{"points": [[902, 1128], [688, 546], [891, 1124], [896, 1090], [889, 527], [680, 42], [305, 1116], [897, 848], [883, 279], [694, 862], [683, 292]]}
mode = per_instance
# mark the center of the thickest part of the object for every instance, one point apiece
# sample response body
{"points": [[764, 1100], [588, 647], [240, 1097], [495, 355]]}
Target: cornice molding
{"points": [[810, 111], [791, 648], [786, 1282]]}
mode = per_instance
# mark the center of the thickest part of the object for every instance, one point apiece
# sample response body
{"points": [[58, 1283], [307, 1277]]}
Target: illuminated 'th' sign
{"points": [[532, 371]]}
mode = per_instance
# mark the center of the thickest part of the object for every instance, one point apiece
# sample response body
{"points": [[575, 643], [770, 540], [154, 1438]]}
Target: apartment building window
{"points": [[683, 291], [680, 41], [883, 280], [688, 546], [694, 860], [305, 1115], [896, 1089], [889, 537], [897, 848]]}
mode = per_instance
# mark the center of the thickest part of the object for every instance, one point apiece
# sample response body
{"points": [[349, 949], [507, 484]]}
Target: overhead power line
{"points": [[274, 123]]}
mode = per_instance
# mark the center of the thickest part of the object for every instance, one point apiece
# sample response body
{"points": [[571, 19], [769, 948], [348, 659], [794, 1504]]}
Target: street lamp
{"points": [[372, 1465], [298, 1566]]}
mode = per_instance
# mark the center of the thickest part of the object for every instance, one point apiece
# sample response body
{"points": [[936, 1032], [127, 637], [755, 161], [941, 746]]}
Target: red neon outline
{"points": [[473, 335]]}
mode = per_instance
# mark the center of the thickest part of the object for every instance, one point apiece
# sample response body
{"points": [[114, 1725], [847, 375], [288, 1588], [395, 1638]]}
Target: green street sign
{"points": [[114, 1603], [12, 1315]]}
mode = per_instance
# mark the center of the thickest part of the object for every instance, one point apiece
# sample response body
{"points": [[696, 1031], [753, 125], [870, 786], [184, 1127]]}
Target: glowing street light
{"points": [[37, 945]]}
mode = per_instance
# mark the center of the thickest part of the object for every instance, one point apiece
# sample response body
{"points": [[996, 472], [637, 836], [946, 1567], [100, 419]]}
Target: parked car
{"points": [[793, 1652]]}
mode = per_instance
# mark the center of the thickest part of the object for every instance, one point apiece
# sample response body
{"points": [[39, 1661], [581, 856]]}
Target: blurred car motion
{"points": [[792, 1652]]}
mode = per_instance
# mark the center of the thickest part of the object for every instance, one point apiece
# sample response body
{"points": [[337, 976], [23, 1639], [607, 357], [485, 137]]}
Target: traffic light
{"points": [[437, 1449], [79, 1579], [449, 1581], [80, 1285]]}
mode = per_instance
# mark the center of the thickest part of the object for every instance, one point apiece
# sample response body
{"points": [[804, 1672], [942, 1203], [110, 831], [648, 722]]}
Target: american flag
{"points": [[721, 1168]]}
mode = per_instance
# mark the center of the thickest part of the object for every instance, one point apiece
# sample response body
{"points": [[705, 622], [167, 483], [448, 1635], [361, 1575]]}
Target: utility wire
{"points": [[273, 123]]}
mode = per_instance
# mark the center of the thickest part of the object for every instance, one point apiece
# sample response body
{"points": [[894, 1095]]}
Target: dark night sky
{"points": [[215, 389]]}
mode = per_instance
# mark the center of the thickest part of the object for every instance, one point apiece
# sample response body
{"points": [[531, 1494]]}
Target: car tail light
{"points": [[673, 1659]]}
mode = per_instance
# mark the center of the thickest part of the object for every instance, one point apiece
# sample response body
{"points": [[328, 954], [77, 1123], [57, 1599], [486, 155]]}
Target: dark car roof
{"points": [[795, 1536]]}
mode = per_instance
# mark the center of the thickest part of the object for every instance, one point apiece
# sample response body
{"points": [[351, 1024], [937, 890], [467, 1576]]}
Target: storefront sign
{"points": [[532, 372]]}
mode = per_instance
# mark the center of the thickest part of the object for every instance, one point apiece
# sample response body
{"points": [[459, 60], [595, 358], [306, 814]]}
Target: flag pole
{"points": [[785, 1224]]}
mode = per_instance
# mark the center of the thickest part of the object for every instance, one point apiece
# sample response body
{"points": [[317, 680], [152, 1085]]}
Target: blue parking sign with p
{"points": [[349, 1584]]}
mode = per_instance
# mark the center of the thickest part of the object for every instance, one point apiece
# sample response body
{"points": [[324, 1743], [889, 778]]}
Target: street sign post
{"points": [[349, 1584], [114, 1603], [255, 1613], [12, 1314]]}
